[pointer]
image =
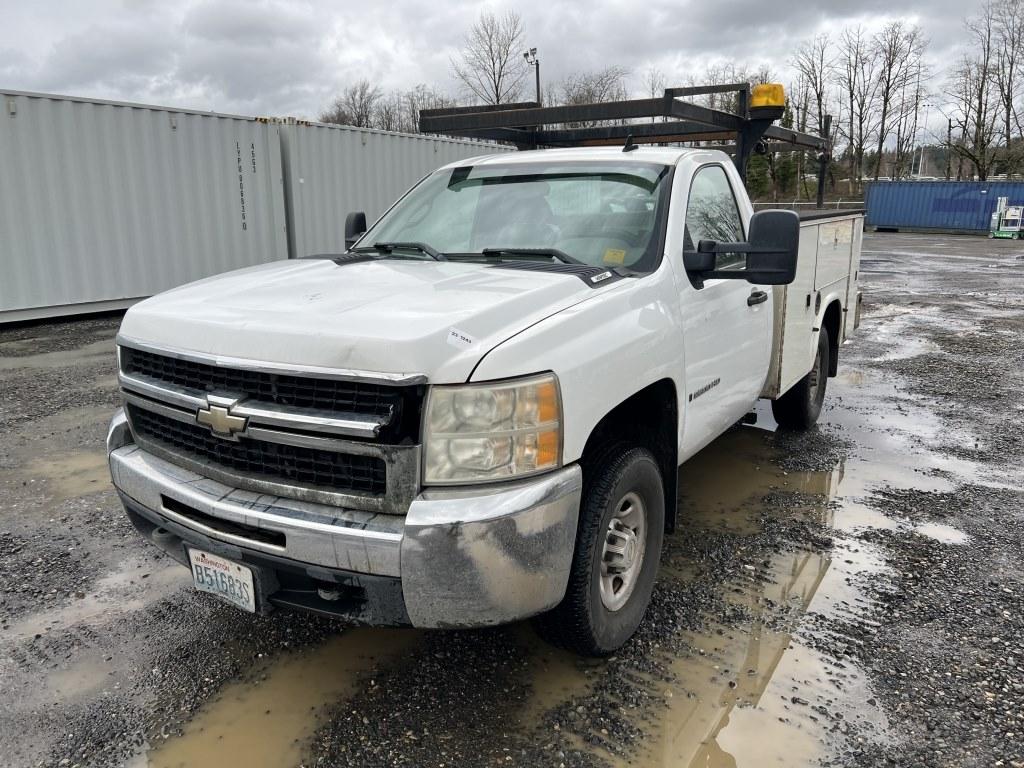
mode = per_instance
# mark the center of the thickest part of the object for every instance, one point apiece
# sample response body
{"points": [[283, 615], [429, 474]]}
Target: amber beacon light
{"points": [[768, 95]]}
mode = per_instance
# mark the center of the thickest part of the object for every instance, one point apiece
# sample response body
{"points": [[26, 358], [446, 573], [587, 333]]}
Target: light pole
{"points": [[533, 61], [949, 139], [920, 163]]}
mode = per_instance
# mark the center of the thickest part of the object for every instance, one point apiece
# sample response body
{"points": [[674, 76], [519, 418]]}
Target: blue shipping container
{"points": [[946, 206]]}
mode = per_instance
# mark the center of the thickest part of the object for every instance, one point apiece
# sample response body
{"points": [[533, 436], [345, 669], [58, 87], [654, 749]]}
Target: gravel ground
{"points": [[853, 595]]}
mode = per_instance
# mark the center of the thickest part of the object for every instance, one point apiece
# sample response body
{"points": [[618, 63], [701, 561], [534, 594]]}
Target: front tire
{"points": [[800, 407], [618, 546]]}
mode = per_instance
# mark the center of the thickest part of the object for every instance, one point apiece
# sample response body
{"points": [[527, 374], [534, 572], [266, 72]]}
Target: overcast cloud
{"points": [[278, 57]]}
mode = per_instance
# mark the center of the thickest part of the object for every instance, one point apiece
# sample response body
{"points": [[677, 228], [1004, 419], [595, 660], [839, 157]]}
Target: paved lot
{"points": [[852, 596]]}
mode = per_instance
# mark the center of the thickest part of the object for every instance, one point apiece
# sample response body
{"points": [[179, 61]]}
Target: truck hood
{"points": [[397, 317]]}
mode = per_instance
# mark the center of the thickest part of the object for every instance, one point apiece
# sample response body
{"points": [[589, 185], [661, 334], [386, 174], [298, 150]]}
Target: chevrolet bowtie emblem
{"points": [[218, 417]]}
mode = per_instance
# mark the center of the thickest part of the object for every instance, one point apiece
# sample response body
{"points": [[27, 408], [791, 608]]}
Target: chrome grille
{"points": [[286, 434], [385, 403], [273, 461]]}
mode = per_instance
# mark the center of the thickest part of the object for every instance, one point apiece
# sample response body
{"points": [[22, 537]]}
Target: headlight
{"points": [[497, 431]]}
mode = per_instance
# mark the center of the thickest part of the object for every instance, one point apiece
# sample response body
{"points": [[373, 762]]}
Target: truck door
{"points": [[726, 323]]}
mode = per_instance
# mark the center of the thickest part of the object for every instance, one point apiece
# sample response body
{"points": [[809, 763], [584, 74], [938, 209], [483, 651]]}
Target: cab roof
{"points": [[663, 155]]}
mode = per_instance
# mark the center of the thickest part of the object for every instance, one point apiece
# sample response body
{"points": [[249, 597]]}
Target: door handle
{"points": [[757, 297]]}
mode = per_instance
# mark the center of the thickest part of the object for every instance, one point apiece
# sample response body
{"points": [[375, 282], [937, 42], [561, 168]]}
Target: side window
{"points": [[712, 214]]}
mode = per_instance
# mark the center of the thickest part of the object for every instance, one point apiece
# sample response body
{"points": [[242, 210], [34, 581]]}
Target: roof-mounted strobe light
{"points": [[767, 95], [767, 102]]}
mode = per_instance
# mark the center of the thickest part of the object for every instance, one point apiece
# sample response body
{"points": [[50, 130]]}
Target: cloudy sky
{"points": [[287, 57]]}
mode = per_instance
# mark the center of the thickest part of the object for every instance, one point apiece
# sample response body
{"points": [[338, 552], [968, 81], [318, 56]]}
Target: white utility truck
{"points": [[476, 413]]}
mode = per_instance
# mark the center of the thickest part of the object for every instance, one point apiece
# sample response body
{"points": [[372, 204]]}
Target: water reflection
{"points": [[747, 693]]}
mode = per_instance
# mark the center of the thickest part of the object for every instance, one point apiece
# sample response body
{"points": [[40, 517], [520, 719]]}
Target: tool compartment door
{"points": [[835, 246], [850, 307], [794, 318]]}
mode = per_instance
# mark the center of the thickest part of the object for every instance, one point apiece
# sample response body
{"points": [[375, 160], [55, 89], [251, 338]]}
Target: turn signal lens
{"points": [[547, 448], [547, 402]]}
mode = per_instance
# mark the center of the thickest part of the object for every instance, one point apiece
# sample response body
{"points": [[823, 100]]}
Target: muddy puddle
{"points": [[944, 534], [134, 585], [70, 475], [60, 456], [97, 351], [751, 693], [267, 721]]}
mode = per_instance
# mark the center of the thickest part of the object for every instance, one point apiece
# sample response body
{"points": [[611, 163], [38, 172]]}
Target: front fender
{"points": [[603, 350]]}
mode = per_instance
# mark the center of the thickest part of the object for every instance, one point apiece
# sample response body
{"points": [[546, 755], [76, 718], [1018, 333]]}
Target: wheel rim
{"points": [[622, 552]]}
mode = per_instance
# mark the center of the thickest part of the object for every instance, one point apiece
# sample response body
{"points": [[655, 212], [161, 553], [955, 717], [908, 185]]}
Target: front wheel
{"points": [[800, 407], [618, 545]]}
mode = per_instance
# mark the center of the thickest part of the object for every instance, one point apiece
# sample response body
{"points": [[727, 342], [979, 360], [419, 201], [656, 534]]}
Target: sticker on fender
{"points": [[223, 578], [459, 339]]}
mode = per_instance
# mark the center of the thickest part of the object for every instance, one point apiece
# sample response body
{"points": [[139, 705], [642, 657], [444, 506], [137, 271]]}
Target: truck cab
{"points": [[476, 413]]}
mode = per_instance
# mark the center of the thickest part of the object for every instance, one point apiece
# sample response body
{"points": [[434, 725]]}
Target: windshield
{"points": [[599, 213]]}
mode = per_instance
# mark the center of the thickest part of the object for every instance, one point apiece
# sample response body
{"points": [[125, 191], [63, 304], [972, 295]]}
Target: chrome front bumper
{"points": [[466, 557]]}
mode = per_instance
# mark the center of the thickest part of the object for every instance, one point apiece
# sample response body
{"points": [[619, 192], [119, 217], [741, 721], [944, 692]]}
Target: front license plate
{"points": [[224, 578]]}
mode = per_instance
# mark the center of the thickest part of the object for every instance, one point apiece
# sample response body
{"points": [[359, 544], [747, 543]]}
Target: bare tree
{"points": [[491, 65], [723, 74], [365, 106], [1009, 50], [654, 82], [798, 105], [762, 75], [608, 84], [976, 96], [390, 114], [421, 97], [907, 107], [815, 62], [357, 105], [856, 74], [897, 49], [335, 113]]}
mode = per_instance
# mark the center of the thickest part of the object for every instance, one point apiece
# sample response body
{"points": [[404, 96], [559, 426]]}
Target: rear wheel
{"points": [[618, 545], [800, 407]]}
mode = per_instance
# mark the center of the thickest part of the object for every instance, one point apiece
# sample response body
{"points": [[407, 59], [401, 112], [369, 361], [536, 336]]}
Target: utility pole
{"points": [[949, 142], [949, 147], [920, 162], [533, 61], [823, 159]]}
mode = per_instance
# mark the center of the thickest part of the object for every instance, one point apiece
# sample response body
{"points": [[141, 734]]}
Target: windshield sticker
{"points": [[614, 256], [459, 339]]}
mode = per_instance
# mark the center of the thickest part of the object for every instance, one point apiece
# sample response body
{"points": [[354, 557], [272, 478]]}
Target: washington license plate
{"points": [[223, 578]]}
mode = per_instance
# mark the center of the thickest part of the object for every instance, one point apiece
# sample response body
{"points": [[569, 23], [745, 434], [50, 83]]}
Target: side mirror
{"points": [[355, 227], [775, 239], [771, 251]]}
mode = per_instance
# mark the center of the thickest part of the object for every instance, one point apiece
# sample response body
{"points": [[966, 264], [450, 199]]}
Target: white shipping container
{"points": [[103, 203], [331, 170]]}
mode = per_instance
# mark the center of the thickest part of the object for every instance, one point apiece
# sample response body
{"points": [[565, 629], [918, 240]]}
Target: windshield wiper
{"points": [[389, 248], [538, 253]]}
